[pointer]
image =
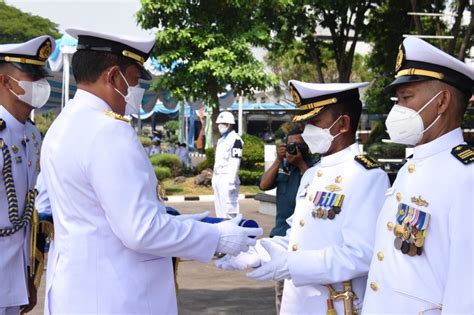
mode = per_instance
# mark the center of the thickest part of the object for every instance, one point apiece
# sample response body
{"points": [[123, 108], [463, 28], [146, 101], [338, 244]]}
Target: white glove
{"points": [[277, 268], [242, 261], [234, 239], [195, 217]]}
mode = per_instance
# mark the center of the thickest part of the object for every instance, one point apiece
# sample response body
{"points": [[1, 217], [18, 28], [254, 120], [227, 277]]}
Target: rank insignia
{"points": [[333, 188], [366, 161], [328, 205], [3, 124], [419, 201], [410, 230], [464, 153]]}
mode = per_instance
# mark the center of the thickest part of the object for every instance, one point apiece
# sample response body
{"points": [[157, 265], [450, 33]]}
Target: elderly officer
{"points": [[423, 249], [326, 253], [113, 240], [225, 180], [23, 87]]}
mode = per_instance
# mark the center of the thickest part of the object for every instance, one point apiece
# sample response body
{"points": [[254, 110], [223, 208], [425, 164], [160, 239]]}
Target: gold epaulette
{"points": [[366, 161], [464, 153], [115, 115]]}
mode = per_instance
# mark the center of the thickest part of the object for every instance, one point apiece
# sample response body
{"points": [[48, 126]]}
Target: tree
{"points": [[17, 26], [206, 46]]}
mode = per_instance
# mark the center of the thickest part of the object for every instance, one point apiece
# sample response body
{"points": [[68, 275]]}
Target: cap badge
{"points": [[400, 57], [45, 50], [295, 96]]}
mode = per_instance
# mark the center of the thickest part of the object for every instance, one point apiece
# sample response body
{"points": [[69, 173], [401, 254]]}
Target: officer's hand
{"points": [[234, 239], [32, 300], [242, 261], [195, 217], [281, 151], [277, 268]]}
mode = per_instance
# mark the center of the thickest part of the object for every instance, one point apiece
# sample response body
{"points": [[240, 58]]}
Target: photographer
{"points": [[293, 159]]}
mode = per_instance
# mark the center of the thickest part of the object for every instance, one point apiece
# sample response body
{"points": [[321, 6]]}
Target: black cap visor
{"points": [[390, 89]]}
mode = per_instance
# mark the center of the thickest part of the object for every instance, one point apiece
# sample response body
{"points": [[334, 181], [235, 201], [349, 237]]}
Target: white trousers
{"points": [[11, 310], [226, 196]]}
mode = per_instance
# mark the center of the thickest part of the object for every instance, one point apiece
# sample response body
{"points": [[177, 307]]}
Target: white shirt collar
{"points": [[446, 141], [90, 100], [341, 156], [11, 121]]}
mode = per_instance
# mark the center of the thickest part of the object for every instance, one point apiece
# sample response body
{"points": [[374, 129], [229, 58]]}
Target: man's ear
{"points": [[344, 123], [5, 81], [111, 74], [444, 101]]}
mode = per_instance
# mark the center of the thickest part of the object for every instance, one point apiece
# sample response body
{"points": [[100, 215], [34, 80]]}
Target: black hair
{"points": [[88, 65], [351, 109], [296, 130]]}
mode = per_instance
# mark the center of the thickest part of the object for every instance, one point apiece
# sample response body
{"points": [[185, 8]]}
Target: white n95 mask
{"points": [[134, 97], [36, 92], [318, 139], [405, 125]]}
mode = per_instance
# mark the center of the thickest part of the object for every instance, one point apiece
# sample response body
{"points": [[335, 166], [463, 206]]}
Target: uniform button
{"points": [[294, 247], [374, 286], [320, 173], [380, 256], [390, 226], [411, 168], [302, 222], [399, 197]]}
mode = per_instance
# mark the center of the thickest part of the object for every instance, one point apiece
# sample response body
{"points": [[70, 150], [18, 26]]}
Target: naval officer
{"points": [[23, 87], [325, 255], [113, 240], [422, 258]]}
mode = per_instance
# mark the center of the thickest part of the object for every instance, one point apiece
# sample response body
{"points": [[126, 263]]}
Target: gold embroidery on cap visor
{"points": [[425, 73], [307, 115], [133, 56], [316, 108]]}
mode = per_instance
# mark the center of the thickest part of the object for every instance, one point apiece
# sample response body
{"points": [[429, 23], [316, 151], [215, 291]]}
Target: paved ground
{"points": [[205, 289]]}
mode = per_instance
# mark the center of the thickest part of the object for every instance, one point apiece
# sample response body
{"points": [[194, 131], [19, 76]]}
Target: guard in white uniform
{"points": [[326, 253], [22, 88], [225, 180], [113, 240], [423, 255]]}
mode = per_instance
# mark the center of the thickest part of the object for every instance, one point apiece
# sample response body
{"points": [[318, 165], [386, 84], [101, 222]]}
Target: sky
{"points": [[110, 16]]}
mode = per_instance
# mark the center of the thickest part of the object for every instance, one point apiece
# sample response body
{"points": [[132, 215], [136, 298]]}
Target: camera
{"points": [[291, 148]]}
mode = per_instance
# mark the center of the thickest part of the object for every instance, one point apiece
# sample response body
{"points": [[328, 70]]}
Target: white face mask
{"points": [[222, 128], [405, 125], [36, 92], [134, 97], [318, 139]]}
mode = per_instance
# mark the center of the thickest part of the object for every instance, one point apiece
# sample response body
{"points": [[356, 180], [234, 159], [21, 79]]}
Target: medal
{"points": [[412, 249], [405, 247], [331, 214], [398, 243]]}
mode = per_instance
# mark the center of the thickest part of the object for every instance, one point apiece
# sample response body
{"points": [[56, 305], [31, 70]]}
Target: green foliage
{"points": [[17, 26], [146, 142], [386, 150], [162, 172], [253, 152], [44, 120], [208, 162], [206, 45], [377, 134], [165, 159], [250, 177], [172, 126]]}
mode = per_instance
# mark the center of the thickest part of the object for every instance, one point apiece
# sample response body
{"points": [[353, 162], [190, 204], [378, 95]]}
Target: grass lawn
{"points": [[188, 188]]}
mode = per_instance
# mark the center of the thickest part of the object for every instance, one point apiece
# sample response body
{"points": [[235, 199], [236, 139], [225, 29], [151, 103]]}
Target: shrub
{"points": [[162, 172], [146, 142], [250, 177], [386, 150], [170, 161], [377, 134], [171, 126], [253, 152], [208, 162]]}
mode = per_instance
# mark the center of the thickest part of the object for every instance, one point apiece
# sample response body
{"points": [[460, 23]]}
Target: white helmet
{"points": [[225, 118]]}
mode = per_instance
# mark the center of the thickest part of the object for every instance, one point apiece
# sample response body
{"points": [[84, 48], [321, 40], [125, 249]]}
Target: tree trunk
{"points": [[416, 18], [215, 131], [456, 26], [467, 41]]}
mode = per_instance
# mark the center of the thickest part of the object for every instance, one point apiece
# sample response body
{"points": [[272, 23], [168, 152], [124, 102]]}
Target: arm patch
{"points": [[366, 161], [464, 153], [237, 149]]}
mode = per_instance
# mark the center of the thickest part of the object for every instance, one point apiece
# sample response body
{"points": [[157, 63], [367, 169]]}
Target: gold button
{"points": [[302, 222], [338, 179], [320, 173], [294, 247], [399, 197], [29, 163], [411, 168], [390, 226], [380, 256], [374, 286]]}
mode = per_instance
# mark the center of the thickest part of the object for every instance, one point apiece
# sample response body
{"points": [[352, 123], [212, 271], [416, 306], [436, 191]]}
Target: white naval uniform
{"points": [[113, 240], [14, 249], [225, 179], [324, 251], [443, 273]]}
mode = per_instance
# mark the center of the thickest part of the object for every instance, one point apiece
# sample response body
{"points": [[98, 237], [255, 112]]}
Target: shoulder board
{"points": [[464, 153], [3, 124], [116, 116], [31, 121], [366, 161]]}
